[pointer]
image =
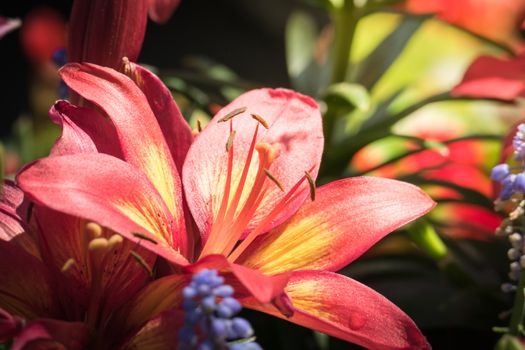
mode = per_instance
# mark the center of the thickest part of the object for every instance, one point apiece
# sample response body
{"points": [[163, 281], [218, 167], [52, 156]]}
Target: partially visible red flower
{"points": [[43, 32], [498, 20], [493, 77], [161, 10]]}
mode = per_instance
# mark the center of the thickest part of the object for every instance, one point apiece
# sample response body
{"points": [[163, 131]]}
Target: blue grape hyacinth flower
{"points": [[209, 316]]}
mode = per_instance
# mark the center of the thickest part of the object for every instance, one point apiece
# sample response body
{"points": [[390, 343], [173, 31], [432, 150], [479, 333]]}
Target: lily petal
{"points": [[52, 334], [294, 123], [19, 269], [11, 198], [64, 241], [84, 130], [347, 217], [347, 309], [108, 191], [176, 130], [492, 77], [129, 110], [158, 296], [166, 293], [244, 280]]}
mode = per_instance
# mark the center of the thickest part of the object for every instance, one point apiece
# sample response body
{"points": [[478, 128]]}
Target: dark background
{"points": [[245, 35]]}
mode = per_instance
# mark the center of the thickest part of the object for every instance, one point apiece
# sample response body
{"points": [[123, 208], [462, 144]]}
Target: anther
{"points": [[144, 237], [274, 179], [95, 230], [312, 185], [114, 240], [199, 125], [232, 114], [260, 120], [68, 264], [140, 260], [229, 143], [128, 68], [98, 243]]}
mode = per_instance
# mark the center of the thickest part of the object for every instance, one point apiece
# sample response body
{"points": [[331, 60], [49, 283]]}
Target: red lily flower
{"points": [[246, 182], [493, 77], [498, 20], [104, 31]]}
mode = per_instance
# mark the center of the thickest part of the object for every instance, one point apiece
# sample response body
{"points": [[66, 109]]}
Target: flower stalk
{"points": [[345, 20]]}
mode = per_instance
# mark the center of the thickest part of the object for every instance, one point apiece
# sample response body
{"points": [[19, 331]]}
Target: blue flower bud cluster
{"points": [[209, 322], [512, 183]]}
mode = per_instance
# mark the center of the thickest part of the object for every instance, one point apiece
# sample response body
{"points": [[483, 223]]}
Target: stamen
{"points": [[232, 114], [129, 69], [140, 260], [267, 154], [199, 125], [290, 196], [68, 264], [144, 237], [229, 143], [114, 240], [274, 179], [312, 185], [98, 243], [93, 229], [260, 120]]}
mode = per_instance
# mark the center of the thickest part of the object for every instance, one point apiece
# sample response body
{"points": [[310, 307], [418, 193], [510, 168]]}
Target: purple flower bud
{"points": [[219, 327], [211, 319], [519, 182], [232, 304], [208, 304], [189, 292], [223, 291], [206, 345], [242, 328], [507, 189], [499, 172], [224, 311]]}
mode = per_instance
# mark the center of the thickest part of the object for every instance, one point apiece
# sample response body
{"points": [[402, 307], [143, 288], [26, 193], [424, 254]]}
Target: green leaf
{"points": [[347, 95], [426, 238], [372, 68], [509, 342], [468, 195], [307, 74], [301, 34]]}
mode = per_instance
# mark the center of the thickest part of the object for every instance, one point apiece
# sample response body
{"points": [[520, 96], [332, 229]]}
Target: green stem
{"points": [[518, 308], [345, 22]]}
